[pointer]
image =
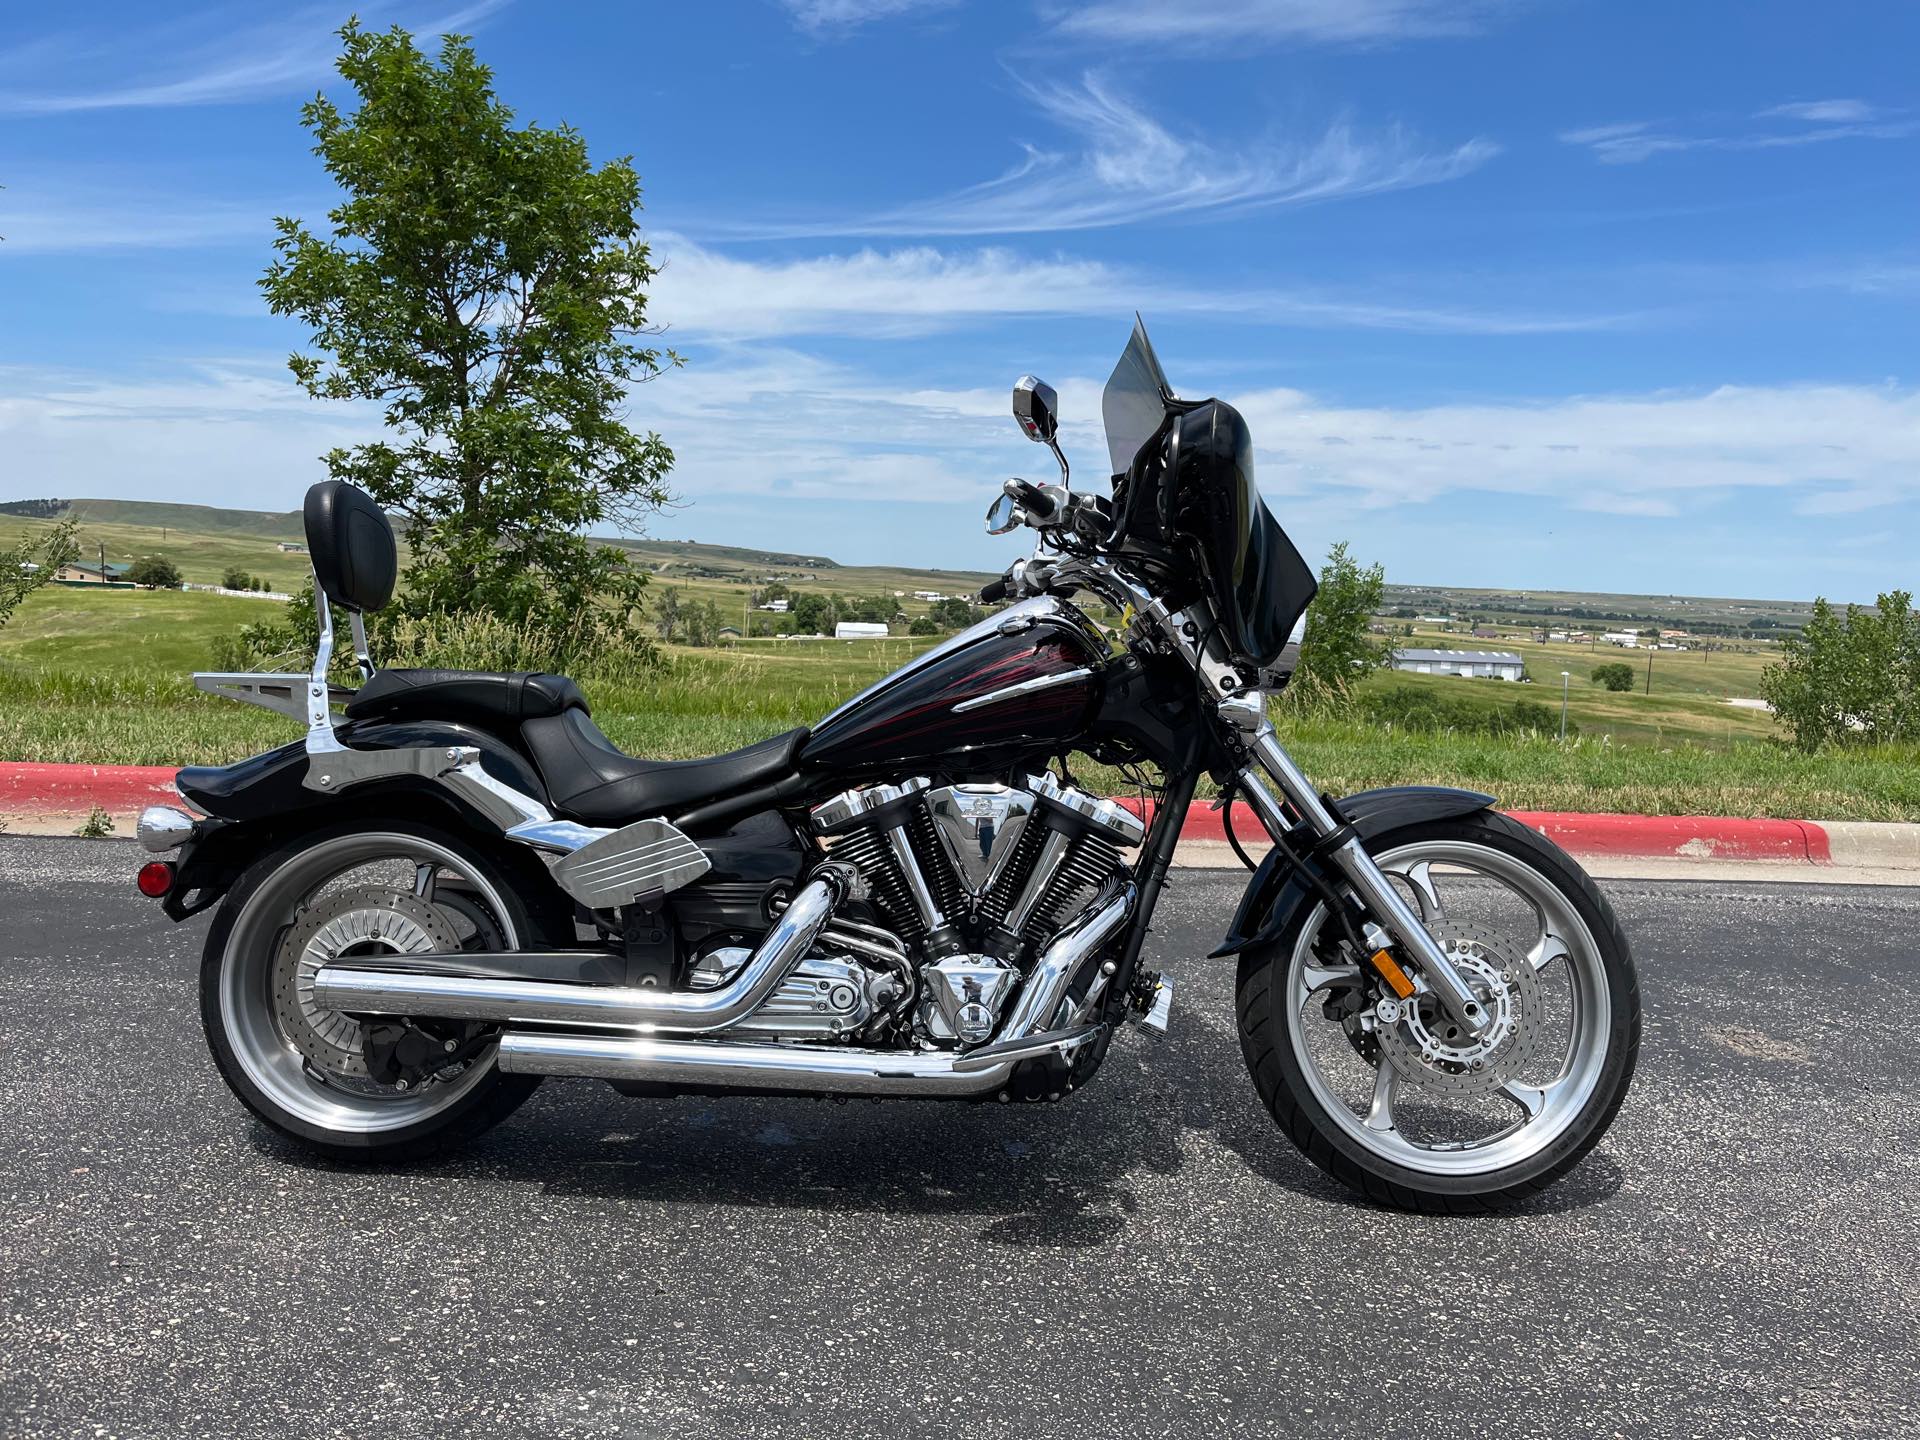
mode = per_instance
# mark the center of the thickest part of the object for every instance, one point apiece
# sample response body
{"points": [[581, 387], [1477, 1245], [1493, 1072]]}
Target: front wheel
{"points": [[381, 888], [1391, 1099]]}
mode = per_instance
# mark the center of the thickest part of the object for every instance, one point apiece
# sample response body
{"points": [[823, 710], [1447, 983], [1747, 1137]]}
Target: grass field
{"points": [[102, 677]]}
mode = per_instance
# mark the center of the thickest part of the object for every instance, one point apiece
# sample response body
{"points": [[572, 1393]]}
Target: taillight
{"points": [[155, 879]]}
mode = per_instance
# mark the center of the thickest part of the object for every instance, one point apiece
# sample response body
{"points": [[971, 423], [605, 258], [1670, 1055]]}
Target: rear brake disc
{"points": [[367, 920]]}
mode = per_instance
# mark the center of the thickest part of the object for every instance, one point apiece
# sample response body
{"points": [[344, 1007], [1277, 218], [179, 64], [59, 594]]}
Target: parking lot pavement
{"points": [[1149, 1258]]}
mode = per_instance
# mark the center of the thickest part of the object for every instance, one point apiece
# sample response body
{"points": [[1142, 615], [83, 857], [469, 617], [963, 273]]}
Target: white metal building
{"points": [[1481, 664], [859, 630]]}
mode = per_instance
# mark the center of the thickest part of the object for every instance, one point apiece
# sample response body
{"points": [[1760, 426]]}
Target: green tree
{"points": [[1615, 676], [923, 626], [25, 567], [156, 572], [812, 614], [486, 284], [236, 579], [1849, 679], [1336, 652], [667, 613]]}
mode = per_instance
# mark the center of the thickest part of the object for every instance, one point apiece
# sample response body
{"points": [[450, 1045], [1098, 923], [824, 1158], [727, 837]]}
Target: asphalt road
{"points": [[1150, 1258]]}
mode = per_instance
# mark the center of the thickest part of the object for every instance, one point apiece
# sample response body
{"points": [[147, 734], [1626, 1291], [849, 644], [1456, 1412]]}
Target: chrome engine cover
{"points": [[827, 997], [962, 995]]}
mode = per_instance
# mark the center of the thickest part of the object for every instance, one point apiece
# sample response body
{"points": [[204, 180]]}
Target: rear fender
{"points": [[255, 806], [1278, 890]]}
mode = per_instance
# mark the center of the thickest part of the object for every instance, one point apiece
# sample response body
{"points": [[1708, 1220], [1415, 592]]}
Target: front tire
{"points": [[293, 1065], [1333, 1086]]}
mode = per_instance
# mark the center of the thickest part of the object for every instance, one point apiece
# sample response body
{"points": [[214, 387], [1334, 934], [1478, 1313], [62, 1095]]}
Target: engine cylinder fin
{"points": [[868, 852], [1090, 861]]}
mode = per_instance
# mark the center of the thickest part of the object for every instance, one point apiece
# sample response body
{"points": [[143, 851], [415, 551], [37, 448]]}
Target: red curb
{"points": [[1687, 837], [61, 789], [29, 788]]}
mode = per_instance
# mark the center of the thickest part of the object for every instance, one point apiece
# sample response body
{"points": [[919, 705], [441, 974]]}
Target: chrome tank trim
{"points": [[1025, 687]]}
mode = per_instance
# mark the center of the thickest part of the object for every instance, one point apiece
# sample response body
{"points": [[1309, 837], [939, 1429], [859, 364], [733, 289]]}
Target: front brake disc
{"points": [[1426, 1047]]}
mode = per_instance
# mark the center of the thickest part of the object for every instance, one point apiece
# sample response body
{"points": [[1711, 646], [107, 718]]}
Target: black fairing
{"points": [[1257, 581], [749, 858], [1277, 889]]}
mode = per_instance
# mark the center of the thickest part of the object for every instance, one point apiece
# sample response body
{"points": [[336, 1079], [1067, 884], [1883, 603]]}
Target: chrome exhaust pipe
{"points": [[838, 1070], [541, 1002]]}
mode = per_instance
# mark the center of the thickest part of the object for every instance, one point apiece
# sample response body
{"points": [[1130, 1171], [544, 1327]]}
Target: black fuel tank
{"points": [[1020, 680]]}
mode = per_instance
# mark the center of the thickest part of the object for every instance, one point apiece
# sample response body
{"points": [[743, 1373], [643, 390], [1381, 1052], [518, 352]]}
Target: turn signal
{"points": [[155, 879], [1390, 972]]}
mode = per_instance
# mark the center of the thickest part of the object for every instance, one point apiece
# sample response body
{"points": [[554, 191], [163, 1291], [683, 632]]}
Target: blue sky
{"points": [[1575, 293]]}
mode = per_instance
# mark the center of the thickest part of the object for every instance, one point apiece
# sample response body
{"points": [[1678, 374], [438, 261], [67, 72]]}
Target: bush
{"points": [[923, 626], [234, 578], [1615, 676], [1851, 680], [155, 572]]}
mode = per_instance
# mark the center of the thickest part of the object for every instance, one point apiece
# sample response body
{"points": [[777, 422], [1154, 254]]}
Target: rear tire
{"points": [[1275, 1043], [249, 1033]]}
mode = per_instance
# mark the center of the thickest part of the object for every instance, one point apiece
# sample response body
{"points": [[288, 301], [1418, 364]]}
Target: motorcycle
{"points": [[456, 885]]}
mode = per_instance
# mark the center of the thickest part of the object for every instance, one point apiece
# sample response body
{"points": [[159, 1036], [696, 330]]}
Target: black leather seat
{"points": [[490, 699], [589, 778]]}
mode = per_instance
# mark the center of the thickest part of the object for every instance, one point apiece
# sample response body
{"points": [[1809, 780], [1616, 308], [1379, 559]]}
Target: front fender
{"points": [[1277, 889]]}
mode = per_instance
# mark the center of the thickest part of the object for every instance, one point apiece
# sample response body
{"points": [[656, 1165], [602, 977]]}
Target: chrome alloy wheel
{"points": [[1430, 1100], [368, 893]]}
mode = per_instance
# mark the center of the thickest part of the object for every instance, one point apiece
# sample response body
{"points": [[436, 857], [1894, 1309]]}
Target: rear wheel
{"points": [[392, 888], [1392, 1099]]}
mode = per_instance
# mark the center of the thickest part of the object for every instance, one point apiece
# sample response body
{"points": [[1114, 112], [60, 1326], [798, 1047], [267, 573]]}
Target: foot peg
{"points": [[632, 864], [1152, 1000]]}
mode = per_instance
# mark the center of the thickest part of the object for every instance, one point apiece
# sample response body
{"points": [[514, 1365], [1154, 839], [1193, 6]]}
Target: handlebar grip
{"points": [[993, 590], [1032, 498]]}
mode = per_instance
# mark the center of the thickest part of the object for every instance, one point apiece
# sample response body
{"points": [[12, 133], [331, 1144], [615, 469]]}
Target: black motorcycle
{"points": [[458, 885]]}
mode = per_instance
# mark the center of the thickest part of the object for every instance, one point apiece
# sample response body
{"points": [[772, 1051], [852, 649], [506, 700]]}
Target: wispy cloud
{"points": [[1828, 112], [215, 61], [918, 289], [42, 214], [1810, 122], [1199, 24], [840, 17], [1831, 447], [1127, 167]]}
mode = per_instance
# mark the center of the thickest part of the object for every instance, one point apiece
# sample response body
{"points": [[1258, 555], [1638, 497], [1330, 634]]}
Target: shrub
{"points": [[1618, 675], [234, 578], [155, 572]]}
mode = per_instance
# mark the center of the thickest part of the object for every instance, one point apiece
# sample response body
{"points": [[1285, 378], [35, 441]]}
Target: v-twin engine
{"points": [[975, 879]]}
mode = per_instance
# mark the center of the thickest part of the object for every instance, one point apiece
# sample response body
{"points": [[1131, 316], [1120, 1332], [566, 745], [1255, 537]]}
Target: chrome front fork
{"points": [[1369, 881]]}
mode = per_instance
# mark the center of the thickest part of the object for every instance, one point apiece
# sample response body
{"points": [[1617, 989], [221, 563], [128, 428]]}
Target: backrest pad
{"points": [[354, 557]]}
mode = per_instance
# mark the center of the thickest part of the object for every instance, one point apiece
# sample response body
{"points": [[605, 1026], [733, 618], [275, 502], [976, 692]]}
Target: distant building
{"points": [[1474, 664], [88, 572], [1625, 639], [292, 547], [1434, 619], [778, 607], [859, 630], [1481, 632]]}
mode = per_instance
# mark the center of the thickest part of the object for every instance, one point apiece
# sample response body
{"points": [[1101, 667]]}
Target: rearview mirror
{"points": [[1002, 515], [1036, 407]]}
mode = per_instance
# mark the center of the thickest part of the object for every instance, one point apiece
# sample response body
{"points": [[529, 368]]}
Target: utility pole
{"points": [[1564, 681], [103, 562], [1649, 672]]}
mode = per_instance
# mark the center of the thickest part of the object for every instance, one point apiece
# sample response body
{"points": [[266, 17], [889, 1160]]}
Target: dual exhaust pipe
{"points": [[681, 1042]]}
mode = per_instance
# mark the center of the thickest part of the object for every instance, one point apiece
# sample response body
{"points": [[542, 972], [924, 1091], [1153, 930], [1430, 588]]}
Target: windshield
{"points": [[1135, 401]]}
